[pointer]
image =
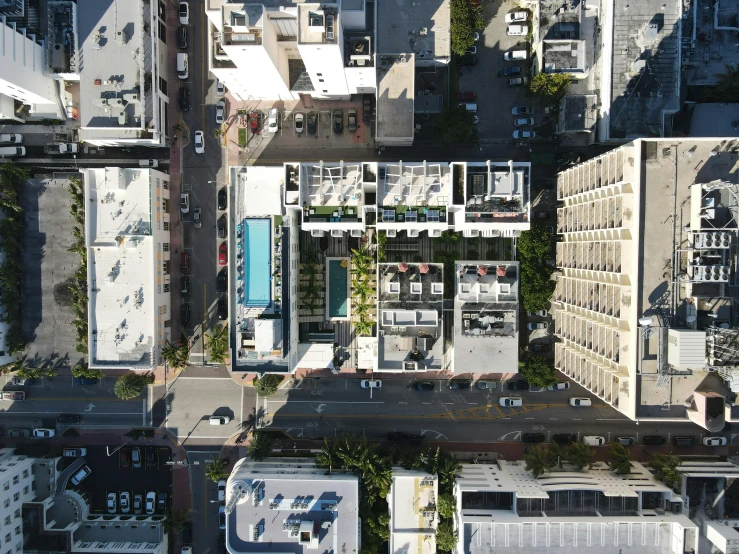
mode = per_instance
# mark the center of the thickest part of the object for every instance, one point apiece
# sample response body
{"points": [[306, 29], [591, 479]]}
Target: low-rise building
{"points": [[127, 238], [413, 515], [290, 505]]}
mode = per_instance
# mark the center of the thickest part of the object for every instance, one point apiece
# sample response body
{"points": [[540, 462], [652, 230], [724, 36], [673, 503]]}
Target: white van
{"points": [[272, 123], [219, 420], [515, 55], [14, 138], [10, 151], [472, 108], [593, 440], [580, 402], [183, 71]]}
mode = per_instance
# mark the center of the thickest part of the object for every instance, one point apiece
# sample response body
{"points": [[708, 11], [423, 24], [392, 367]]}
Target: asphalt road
{"points": [[320, 408], [204, 514]]}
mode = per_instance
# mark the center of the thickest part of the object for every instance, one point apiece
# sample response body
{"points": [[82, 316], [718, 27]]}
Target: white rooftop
{"points": [[413, 184], [262, 188], [331, 184], [413, 513]]}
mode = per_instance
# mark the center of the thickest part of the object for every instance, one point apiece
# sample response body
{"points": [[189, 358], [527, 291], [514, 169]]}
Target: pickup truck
{"points": [[62, 148], [14, 395]]}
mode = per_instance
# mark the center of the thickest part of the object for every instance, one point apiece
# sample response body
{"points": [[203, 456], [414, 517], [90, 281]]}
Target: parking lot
{"points": [[495, 98], [109, 475]]}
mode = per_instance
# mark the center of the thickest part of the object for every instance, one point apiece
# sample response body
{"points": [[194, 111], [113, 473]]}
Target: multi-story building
{"points": [[127, 238], [123, 89], [413, 516], [645, 288], [290, 505], [18, 487]]}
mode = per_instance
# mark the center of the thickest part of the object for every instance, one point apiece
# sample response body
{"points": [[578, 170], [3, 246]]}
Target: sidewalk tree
{"points": [[454, 126], [465, 19], [580, 455], [665, 468], [177, 354], [260, 446], [446, 505], [537, 460], [549, 87], [619, 455], [216, 470], [538, 371], [217, 344], [267, 385], [175, 520], [446, 537], [82, 370], [129, 386], [533, 244]]}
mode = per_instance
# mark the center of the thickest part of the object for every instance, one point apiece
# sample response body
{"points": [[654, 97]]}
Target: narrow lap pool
{"points": [[257, 263], [337, 279]]}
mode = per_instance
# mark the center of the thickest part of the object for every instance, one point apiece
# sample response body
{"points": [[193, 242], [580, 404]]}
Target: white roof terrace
{"points": [[414, 184]]}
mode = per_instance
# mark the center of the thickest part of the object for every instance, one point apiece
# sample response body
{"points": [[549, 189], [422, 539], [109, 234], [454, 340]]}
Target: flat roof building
{"points": [[413, 515], [127, 238], [421, 29], [290, 505], [395, 94]]}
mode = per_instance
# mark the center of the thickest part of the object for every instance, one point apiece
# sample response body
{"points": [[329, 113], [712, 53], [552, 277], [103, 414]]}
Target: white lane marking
{"points": [[516, 437], [448, 402], [577, 419], [90, 407], [472, 403], [324, 402], [402, 402], [202, 378], [529, 418]]}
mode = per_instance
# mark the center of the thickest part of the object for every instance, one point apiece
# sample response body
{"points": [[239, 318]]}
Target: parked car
{"points": [[125, 457], [487, 384], [148, 163], [517, 30], [68, 418], [197, 220], [471, 51], [138, 503], [125, 502], [16, 381], [223, 254], [151, 457], [272, 120], [338, 122], [221, 487], [72, 452], [559, 385], [222, 308], [522, 110], [593, 440], [222, 280], [185, 202], [511, 70], [536, 325], [515, 17], [510, 401], [182, 37], [654, 440], [312, 123], [517, 81], [625, 441], [460, 384], [371, 384], [299, 122], [112, 502], [400, 436], [136, 457], [475, 36], [523, 121], [366, 110], [466, 61], [184, 13], [683, 441], [199, 142], [461, 95], [221, 517], [351, 120], [151, 499], [220, 88], [533, 438], [539, 313], [81, 475], [43, 433], [184, 262], [222, 227], [184, 99], [255, 122], [580, 402], [219, 420], [220, 112], [185, 315], [524, 134], [19, 433], [515, 55], [162, 502], [517, 385], [564, 438], [222, 199], [423, 385], [714, 441], [11, 138]]}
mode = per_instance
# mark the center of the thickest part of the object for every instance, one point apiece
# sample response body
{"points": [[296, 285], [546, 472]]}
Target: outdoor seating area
{"points": [[481, 323], [406, 282], [487, 283], [413, 214], [331, 214], [421, 184]]}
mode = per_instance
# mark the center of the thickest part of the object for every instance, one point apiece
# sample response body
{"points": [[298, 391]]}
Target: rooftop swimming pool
{"points": [[337, 289], [257, 284]]}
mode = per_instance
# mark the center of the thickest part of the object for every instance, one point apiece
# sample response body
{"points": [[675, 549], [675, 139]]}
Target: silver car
{"points": [[220, 111]]}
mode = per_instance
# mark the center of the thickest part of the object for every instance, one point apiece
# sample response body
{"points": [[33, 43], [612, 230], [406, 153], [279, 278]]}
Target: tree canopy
{"points": [[549, 87], [536, 285], [267, 385], [538, 371], [465, 18], [454, 126]]}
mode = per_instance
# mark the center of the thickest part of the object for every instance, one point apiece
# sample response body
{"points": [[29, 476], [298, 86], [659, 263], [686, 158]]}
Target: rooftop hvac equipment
{"points": [[712, 273], [717, 239]]}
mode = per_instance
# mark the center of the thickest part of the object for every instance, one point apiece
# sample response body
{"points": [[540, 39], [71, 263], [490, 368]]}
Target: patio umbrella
{"points": [[501, 271], [402, 267], [424, 268], [482, 270]]}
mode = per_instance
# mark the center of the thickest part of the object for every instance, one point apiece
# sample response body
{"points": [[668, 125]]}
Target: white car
{"points": [[151, 502], [517, 30], [220, 88], [714, 441], [524, 134], [299, 122], [510, 401], [185, 202], [184, 12], [516, 17], [533, 326], [42, 433], [475, 36], [540, 313], [221, 491], [559, 385], [111, 502], [220, 111], [125, 502], [199, 142], [371, 384], [272, 124], [81, 475]]}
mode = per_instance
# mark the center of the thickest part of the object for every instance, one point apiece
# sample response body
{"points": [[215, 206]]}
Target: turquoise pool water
{"points": [[257, 263], [338, 299]]}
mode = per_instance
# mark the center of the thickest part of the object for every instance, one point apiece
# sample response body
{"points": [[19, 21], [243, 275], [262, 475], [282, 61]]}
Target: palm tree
{"points": [[619, 458], [260, 446], [218, 132], [129, 386], [176, 354], [538, 460], [216, 470], [449, 468], [327, 457], [580, 455], [217, 344], [665, 468], [363, 327], [175, 520]]}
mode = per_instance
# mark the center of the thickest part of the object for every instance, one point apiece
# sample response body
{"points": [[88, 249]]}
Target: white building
{"points": [[123, 88], [315, 49], [290, 505], [413, 516], [127, 238], [503, 508], [25, 78], [18, 486]]}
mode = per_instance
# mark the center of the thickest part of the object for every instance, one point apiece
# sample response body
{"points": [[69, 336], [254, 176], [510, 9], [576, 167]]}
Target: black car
{"points": [[151, 457], [312, 123], [423, 385], [222, 199], [515, 70], [467, 60], [185, 285], [185, 315], [222, 227], [187, 533], [162, 502], [184, 99], [399, 436], [517, 385], [222, 308], [222, 280], [564, 438], [182, 37], [654, 440], [366, 110], [338, 119], [533, 438], [460, 384], [68, 418]]}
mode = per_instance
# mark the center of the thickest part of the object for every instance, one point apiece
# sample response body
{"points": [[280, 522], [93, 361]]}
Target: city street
{"points": [[204, 514]]}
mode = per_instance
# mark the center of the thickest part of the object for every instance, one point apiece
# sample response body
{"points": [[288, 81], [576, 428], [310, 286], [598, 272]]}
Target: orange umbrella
{"points": [[402, 267], [482, 270], [424, 268]]}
